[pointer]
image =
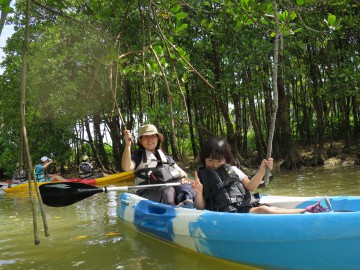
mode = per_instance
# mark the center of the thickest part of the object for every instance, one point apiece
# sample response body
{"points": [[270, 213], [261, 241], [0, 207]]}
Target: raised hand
{"points": [[196, 185], [267, 163], [127, 137]]}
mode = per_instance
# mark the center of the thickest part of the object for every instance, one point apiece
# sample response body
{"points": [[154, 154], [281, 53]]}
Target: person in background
{"points": [[152, 166], [20, 175], [41, 174], [225, 188], [86, 169]]}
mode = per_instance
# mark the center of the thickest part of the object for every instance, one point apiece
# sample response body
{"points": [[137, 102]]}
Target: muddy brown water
{"points": [[88, 235]]}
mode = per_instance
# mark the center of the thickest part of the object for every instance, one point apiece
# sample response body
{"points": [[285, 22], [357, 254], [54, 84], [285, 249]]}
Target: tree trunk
{"points": [[305, 125], [286, 146], [346, 122], [245, 125], [129, 107], [321, 109], [117, 147], [102, 157], [30, 174], [240, 126], [170, 100], [259, 140], [191, 125], [221, 97], [355, 113], [91, 142]]}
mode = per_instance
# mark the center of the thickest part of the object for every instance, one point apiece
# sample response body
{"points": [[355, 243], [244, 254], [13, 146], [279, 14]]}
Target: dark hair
{"points": [[216, 148]]}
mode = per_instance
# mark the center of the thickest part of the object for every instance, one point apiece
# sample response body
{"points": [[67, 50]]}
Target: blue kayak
{"points": [[327, 240]]}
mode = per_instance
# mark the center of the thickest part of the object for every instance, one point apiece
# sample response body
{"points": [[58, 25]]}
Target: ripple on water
{"points": [[112, 240], [75, 264], [7, 262]]}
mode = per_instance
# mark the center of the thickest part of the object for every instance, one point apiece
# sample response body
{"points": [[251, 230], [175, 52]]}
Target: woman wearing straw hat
{"points": [[152, 166]]}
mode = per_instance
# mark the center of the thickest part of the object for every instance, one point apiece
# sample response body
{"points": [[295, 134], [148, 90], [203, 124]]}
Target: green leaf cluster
{"points": [[193, 68]]}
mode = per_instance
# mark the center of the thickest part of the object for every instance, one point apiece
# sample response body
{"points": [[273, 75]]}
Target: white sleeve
{"points": [[239, 173], [181, 171]]}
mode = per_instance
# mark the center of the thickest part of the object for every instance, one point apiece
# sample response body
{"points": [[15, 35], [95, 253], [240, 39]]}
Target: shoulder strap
{"points": [[137, 157], [229, 177], [170, 160], [164, 159], [205, 173], [35, 169], [143, 151]]}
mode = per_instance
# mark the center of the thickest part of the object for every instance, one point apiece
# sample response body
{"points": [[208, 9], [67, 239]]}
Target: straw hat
{"points": [[149, 130]]}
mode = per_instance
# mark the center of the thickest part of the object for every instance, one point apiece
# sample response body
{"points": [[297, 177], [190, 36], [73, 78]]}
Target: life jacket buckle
{"points": [[221, 185]]}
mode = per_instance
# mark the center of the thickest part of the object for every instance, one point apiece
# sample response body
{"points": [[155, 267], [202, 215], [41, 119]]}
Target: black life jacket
{"points": [[152, 170], [223, 190]]}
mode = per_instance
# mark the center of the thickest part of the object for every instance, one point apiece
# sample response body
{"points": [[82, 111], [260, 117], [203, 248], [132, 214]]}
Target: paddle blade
{"points": [[66, 193]]}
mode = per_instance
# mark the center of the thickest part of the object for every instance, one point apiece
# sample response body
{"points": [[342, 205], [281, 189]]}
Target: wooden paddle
{"points": [[66, 193]]}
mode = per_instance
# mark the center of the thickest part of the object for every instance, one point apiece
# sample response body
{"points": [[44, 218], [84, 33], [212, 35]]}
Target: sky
{"points": [[5, 34], [7, 31]]}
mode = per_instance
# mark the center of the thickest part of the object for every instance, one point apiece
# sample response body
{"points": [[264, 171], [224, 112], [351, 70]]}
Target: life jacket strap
{"points": [[224, 184], [230, 201]]}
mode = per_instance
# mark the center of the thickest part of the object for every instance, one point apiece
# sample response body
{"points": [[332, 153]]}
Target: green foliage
{"points": [[5, 6], [8, 156], [251, 141], [300, 2], [87, 56]]}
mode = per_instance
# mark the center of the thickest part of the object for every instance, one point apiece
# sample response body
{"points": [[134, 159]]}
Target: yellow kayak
{"points": [[113, 178], [106, 180]]}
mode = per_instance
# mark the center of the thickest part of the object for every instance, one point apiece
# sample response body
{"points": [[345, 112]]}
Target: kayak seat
{"points": [[156, 218]]}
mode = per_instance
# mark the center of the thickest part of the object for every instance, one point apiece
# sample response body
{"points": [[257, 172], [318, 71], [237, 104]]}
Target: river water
{"points": [[88, 235]]}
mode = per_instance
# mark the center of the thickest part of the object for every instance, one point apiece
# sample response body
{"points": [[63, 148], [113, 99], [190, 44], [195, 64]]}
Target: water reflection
{"points": [[316, 182], [88, 235]]}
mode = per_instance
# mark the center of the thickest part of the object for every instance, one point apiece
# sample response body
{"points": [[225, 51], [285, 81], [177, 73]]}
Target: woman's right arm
{"points": [[47, 165], [126, 163]]}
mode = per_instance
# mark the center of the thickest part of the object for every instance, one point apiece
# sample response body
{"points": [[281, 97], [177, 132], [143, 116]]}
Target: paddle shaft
{"points": [[67, 193], [327, 201], [126, 188]]}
